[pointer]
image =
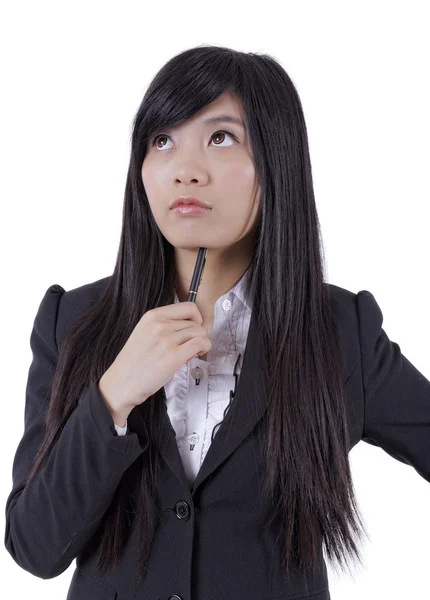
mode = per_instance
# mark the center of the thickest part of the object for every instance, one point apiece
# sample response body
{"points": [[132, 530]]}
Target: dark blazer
{"points": [[211, 542]]}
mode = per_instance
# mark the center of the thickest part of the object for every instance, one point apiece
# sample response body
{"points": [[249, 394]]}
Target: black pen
{"points": [[197, 275]]}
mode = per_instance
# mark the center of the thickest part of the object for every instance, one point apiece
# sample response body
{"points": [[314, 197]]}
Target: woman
{"points": [[200, 450]]}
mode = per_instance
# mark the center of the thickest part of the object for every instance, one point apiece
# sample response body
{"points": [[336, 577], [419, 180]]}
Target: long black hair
{"points": [[307, 436]]}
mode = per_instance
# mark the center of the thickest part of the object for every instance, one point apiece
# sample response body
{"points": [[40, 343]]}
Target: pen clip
{"points": [[204, 264]]}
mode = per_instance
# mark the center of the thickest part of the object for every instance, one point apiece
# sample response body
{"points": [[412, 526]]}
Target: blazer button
{"points": [[175, 597], [182, 510]]}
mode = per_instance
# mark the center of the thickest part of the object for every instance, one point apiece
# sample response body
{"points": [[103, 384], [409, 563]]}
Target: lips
{"points": [[190, 209], [188, 200]]}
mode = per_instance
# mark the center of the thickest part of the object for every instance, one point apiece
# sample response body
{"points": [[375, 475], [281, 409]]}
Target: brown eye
{"points": [[216, 134], [158, 137], [222, 132]]}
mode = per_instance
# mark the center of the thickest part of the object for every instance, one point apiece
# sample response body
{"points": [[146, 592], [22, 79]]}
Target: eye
{"points": [[161, 135], [224, 131]]}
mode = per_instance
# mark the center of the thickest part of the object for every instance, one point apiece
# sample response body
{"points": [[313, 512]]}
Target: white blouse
{"points": [[199, 392]]}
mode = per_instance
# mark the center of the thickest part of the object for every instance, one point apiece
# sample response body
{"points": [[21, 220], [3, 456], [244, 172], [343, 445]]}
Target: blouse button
{"points": [[196, 373], [194, 439], [226, 304]]}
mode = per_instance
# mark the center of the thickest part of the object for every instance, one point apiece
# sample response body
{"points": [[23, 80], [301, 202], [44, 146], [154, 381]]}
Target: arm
{"points": [[396, 394], [50, 520]]}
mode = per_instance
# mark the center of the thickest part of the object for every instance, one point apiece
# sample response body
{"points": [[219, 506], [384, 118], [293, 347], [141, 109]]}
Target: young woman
{"points": [[199, 450]]}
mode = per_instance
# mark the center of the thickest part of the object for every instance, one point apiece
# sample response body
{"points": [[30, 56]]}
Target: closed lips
{"points": [[186, 201]]}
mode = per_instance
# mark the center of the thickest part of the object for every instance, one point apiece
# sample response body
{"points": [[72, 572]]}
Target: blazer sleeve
{"points": [[396, 394], [49, 520]]}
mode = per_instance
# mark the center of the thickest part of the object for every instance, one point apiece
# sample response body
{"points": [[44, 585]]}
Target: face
{"points": [[210, 162]]}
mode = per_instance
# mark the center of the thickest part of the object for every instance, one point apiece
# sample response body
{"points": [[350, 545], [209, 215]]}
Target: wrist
{"points": [[118, 413]]}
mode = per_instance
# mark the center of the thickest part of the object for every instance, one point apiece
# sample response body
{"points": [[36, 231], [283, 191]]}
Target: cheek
{"points": [[148, 178], [153, 186], [239, 177]]}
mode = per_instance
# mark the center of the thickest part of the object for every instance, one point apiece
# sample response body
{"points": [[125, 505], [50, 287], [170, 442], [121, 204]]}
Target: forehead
{"points": [[228, 102], [226, 108]]}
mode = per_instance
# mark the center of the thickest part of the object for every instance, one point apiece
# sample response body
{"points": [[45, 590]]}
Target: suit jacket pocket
{"points": [[86, 586]]}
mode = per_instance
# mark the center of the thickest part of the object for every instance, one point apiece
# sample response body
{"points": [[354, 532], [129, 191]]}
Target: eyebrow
{"points": [[212, 120], [224, 119]]}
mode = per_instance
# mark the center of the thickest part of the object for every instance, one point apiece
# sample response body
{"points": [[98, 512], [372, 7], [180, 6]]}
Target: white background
{"points": [[73, 75]]}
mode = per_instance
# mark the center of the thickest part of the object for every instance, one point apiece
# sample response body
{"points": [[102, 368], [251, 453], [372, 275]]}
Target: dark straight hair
{"points": [[307, 439]]}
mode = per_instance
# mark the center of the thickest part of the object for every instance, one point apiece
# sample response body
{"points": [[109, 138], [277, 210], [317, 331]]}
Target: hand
{"points": [[163, 340]]}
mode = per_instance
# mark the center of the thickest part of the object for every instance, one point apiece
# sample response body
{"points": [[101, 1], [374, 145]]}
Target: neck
{"points": [[220, 274]]}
